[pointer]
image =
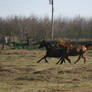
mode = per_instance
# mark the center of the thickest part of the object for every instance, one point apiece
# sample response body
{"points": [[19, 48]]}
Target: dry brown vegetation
{"points": [[33, 28], [19, 72]]}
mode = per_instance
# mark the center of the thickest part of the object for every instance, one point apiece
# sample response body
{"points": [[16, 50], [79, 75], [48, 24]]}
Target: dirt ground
{"points": [[19, 72]]}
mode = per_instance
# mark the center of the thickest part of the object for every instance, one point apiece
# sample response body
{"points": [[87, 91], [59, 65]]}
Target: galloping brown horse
{"points": [[62, 43], [74, 50]]}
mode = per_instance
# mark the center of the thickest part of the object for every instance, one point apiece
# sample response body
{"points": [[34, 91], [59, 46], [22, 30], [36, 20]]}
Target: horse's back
{"points": [[77, 50], [55, 52]]}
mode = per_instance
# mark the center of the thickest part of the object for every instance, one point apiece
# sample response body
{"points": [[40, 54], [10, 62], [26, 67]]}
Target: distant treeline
{"points": [[33, 29]]}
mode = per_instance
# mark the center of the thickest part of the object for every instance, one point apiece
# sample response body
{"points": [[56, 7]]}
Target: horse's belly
{"points": [[73, 53], [56, 55]]}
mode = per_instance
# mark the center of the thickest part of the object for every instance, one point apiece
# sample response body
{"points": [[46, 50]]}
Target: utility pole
{"points": [[52, 17]]}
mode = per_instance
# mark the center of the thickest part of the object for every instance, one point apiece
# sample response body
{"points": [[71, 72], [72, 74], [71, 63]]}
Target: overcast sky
{"points": [[65, 8]]}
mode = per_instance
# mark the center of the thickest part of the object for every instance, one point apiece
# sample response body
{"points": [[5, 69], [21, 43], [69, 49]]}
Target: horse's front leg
{"points": [[46, 60], [77, 59], [41, 59]]}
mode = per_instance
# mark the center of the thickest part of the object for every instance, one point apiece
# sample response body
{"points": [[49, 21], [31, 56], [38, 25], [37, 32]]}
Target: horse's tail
{"points": [[87, 45]]}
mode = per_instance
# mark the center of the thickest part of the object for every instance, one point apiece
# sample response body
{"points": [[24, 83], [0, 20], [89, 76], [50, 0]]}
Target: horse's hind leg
{"points": [[63, 60], [68, 60], [84, 58], [46, 60], [77, 59], [59, 60]]}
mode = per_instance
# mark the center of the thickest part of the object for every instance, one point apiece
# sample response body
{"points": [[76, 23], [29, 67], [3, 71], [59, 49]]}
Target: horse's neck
{"points": [[48, 46]]}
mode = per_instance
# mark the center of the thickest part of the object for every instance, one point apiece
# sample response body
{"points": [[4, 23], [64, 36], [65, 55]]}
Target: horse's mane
{"points": [[49, 44]]}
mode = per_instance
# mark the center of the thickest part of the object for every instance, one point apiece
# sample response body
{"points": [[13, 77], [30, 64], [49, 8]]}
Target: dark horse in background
{"points": [[52, 51], [79, 50]]}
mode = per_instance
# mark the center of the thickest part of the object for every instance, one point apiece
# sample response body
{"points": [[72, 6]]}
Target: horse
{"points": [[62, 43], [53, 52], [75, 50]]}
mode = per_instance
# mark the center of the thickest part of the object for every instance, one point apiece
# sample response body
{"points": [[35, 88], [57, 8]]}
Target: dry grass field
{"points": [[19, 72]]}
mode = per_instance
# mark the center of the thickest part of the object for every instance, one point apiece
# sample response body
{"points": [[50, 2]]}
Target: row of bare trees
{"points": [[35, 29]]}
